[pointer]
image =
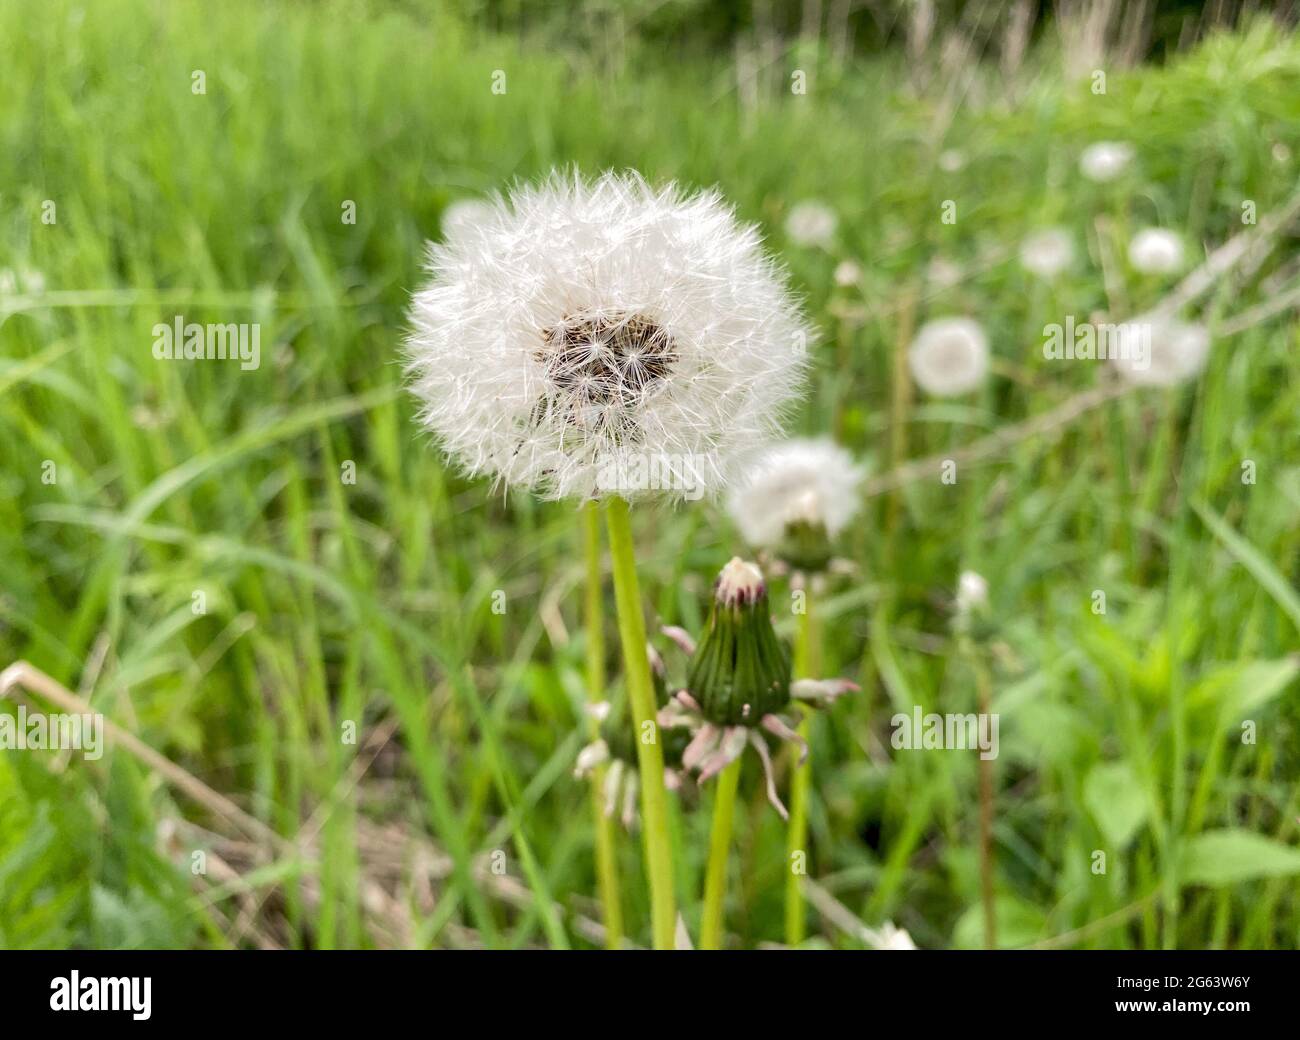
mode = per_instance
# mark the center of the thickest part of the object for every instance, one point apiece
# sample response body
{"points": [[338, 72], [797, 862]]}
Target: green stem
{"points": [[650, 760], [807, 663], [984, 692], [611, 899], [715, 878], [900, 404]]}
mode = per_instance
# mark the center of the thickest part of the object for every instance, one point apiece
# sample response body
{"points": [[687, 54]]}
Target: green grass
{"points": [[372, 602]]}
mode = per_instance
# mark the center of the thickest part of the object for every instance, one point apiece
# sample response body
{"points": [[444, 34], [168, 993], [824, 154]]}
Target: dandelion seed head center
{"points": [[607, 359]]}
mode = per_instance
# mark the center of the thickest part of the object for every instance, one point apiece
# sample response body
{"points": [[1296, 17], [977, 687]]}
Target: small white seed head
{"points": [[949, 357]]}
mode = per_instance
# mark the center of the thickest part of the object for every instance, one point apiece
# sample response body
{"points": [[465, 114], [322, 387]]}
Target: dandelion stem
{"points": [[807, 664], [606, 863], [715, 877], [654, 798], [985, 695], [900, 405]]}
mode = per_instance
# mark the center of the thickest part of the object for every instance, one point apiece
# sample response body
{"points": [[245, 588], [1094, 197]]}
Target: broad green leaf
{"points": [[1241, 688], [1232, 855], [1019, 924], [1117, 801]]}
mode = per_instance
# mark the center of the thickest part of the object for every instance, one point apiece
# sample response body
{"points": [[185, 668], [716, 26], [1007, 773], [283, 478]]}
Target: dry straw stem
{"points": [[1246, 251], [391, 857], [22, 675]]}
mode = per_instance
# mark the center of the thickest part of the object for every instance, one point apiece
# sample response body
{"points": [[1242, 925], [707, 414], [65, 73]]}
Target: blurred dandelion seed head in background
{"points": [[806, 480], [949, 357], [1156, 251], [1047, 253], [1105, 160], [972, 592], [811, 223], [847, 274], [1178, 351]]}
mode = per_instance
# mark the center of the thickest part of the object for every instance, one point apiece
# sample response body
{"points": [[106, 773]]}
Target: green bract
{"points": [[805, 546], [740, 671]]}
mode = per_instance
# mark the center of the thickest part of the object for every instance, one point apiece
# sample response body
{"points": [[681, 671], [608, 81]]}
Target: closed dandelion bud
{"points": [[739, 683], [740, 671]]}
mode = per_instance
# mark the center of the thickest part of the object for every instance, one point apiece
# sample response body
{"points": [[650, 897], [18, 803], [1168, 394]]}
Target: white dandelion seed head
{"points": [[942, 273], [847, 274], [890, 937], [1105, 160], [812, 480], [586, 323], [465, 213], [1047, 253], [1176, 351], [949, 356], [811, 223], [951, 160], [972, 592], [1156, 251]]}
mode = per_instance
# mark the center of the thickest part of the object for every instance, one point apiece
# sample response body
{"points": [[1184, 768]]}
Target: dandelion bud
{"points": [[740, 671], [739, 682]]}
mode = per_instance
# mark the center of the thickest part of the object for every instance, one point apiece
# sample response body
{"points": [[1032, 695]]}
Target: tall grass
{"points": [[371, 604]]}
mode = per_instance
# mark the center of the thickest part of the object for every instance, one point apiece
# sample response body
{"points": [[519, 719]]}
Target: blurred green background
{"points": [[329, 602]]}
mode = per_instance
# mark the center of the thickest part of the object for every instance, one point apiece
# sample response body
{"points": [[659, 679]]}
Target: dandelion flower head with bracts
{"points": [[739, 687], [586, 322], [1156, 251], [949, 356], [1175, 351], [803, 481]]}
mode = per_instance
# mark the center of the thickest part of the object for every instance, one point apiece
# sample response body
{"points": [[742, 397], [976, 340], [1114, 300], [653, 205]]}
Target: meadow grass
{"points": [[329, 602]]}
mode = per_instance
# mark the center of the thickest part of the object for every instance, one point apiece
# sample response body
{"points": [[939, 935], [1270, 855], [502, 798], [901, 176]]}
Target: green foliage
{"points": [[371, 602]]}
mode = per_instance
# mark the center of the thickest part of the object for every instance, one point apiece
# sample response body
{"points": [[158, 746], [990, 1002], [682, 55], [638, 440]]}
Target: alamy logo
{"points": [[74, 993], [624, 471], [935, 732], [1107, 341], [190, 341], [38, 731]]}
